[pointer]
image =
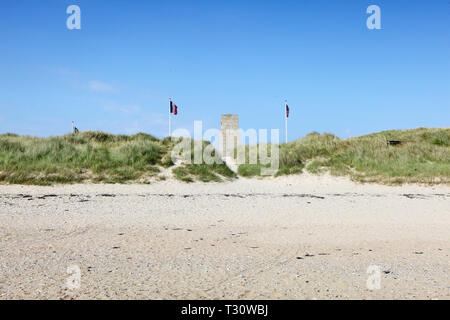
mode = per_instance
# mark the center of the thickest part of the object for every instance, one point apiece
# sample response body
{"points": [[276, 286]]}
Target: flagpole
{"points": [[286, 119], [170, 118]]}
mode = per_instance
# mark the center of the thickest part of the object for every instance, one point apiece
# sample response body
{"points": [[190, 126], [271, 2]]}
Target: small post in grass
{"points": [[286, 119]]}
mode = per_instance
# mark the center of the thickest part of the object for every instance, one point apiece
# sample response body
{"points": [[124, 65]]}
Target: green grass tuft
{"points": [[96, 156], [423, 156]]}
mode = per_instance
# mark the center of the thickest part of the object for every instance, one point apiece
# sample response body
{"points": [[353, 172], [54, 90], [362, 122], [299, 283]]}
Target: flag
{"points": [[175, 112], [287, 111], [171, 107]]}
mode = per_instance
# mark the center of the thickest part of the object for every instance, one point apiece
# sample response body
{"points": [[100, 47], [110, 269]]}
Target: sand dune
{"points": [[297, 237]]}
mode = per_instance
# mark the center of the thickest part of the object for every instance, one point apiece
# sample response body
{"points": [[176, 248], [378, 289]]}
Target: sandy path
{"points": [[298, 237]]}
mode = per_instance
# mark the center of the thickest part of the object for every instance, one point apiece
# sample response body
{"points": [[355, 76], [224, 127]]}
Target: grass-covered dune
{"points": [[423, 157], [95, 157]]}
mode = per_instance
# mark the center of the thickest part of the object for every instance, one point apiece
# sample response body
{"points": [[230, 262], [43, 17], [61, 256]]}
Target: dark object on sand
{"points": [[393, 142]]}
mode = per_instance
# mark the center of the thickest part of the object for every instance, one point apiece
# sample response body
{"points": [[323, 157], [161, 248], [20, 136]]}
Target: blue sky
{"points": [[214, 57]]}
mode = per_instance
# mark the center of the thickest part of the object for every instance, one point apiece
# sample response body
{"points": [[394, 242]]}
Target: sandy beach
{"points": [[296, 237]]}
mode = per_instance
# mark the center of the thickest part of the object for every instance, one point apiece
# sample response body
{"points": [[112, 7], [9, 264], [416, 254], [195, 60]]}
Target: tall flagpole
{"points": [[170, 118], [286, 119]]}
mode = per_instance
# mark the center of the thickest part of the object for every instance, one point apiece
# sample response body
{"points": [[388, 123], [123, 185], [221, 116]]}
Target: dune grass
{"points": [[203, 172], [215, 172], [96, 157], [423, 156]]}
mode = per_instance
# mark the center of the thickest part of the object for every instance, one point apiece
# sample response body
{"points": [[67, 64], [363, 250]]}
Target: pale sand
{"points": [[236, 240]]}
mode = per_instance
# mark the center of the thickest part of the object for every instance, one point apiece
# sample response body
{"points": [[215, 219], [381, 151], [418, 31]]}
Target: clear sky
{"points": [[213, 57]]}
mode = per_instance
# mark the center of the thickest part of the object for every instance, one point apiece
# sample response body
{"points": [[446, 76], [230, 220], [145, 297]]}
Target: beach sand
{"points": [[296, 237]]}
